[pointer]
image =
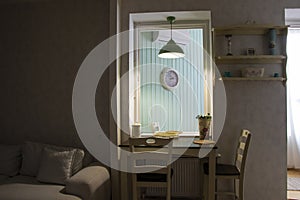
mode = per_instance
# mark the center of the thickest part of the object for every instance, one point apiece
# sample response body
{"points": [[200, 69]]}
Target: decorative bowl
{"points": [[253, 72]]}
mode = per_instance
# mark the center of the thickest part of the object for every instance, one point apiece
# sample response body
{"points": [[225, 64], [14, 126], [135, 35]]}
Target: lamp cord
{"points": [[171, 28]]}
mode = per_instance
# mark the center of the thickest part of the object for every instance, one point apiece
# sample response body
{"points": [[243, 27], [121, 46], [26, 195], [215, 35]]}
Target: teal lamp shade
{"points": [[171, 50]]}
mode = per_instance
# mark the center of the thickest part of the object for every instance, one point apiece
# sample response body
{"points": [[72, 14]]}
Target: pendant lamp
{"points": [[171, 49]]}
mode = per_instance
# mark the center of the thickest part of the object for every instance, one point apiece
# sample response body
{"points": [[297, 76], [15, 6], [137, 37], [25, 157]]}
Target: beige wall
{"points": [[42, 46]]}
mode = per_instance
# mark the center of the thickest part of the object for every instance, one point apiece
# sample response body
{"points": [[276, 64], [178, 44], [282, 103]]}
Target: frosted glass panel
{"points": [[174, 109]]}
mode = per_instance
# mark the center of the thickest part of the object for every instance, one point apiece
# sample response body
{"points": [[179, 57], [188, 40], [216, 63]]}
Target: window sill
{"points": [[183, 134]]}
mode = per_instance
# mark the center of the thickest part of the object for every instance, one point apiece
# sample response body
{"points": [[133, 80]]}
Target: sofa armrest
{"points": [[90, 183]]}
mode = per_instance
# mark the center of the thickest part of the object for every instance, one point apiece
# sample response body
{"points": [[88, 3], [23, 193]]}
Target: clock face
{"points": [[169, 78]]}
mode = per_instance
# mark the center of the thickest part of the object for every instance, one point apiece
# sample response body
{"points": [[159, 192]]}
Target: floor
{"points": [[162, 198], [293, 195]]}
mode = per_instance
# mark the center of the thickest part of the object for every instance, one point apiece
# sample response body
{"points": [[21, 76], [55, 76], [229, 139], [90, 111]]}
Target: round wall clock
{"points": [[169, 78]]}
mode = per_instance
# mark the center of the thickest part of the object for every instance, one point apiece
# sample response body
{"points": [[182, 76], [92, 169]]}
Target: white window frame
{"points": [[184, 20]]}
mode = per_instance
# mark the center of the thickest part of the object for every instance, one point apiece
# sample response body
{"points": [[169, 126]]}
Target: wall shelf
{"points": [[249, 29], [244, 59], [252, 78], [259, 34]]}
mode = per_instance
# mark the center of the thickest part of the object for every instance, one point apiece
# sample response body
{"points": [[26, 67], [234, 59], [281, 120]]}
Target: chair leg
{"points": [[143, 195], [216, 189], [234, 189], [241, 189], [169, 188], [134, 188], [134, 194], [205, 188]]}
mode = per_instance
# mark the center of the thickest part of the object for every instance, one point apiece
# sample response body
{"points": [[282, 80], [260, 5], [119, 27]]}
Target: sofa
{"points": [[36, 171]]}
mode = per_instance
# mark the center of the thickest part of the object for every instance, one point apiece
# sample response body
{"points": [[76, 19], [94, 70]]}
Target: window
{"points": [[173, 108]]}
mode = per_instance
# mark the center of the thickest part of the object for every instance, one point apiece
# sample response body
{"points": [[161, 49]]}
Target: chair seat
{"points": [[153, 177], [223, 169], [150, 177]]}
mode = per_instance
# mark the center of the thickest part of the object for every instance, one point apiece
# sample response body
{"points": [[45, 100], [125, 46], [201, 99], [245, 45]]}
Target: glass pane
{"points": [[173, 109]]}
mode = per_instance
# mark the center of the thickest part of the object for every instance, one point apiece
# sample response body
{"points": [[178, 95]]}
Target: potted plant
{"points": [[204, 125]]}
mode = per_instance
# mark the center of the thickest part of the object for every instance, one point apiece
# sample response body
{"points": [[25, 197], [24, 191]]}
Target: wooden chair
{"points": [[155, 160], [234, 171]]}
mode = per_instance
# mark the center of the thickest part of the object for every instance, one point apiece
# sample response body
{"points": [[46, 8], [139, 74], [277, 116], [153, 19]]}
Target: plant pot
{"points": [[204, 126]]}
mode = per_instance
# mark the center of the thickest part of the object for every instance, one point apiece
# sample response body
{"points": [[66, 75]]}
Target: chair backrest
{"points": [[242, 150], [150, 154]]}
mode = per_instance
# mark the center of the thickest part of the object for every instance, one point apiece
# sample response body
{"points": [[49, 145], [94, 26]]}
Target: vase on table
{"points": [[204, 126]]}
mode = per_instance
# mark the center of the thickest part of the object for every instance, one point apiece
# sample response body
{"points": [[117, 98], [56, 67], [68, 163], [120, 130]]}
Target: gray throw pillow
{"points": [[55, 166], [78, 157], [32, 153], [10, 159]]}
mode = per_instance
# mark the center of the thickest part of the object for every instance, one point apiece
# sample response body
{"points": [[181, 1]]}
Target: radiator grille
{"points": [[186, 180]]}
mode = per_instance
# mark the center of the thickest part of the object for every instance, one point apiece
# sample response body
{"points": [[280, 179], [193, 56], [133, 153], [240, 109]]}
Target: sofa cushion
{"points": [[21, 191], [22, 179], [32, 152], [55, 166], [10, 159]]}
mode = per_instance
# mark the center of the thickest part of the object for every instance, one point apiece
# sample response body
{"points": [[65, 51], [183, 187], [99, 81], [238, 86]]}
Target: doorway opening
{"points": [[292, 18]]}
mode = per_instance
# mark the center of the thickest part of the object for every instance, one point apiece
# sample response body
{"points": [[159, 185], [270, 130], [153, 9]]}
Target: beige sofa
{"points": [[35, 171]]}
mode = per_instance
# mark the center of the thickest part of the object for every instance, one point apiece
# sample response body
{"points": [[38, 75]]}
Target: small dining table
{"points": [[182, 146]]}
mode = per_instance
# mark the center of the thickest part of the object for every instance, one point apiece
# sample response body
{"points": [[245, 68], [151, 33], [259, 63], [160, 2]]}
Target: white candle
{"points": [[136, 130]]}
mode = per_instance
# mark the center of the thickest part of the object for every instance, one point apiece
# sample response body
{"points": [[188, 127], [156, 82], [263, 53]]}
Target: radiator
{"points": [[186, 179]]}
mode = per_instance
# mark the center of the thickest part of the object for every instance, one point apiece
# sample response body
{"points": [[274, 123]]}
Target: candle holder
{"points": [[228, 37]]}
